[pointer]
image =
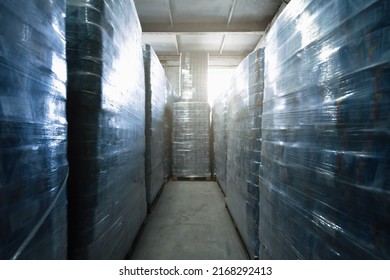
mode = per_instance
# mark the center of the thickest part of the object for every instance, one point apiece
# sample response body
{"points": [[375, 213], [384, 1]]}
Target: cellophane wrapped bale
{"points": [[155, 90], [168, 116], [219, 121], [244, 111], [106, 113], [325, 190], [191, 139], [33, 130]]}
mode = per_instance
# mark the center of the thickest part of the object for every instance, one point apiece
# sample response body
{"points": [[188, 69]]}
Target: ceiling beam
{"points": [[203, 28], [258, 33], [212, 56], [233, 6], [170, 12], [177, 44], [215, 61], [222, 44]]}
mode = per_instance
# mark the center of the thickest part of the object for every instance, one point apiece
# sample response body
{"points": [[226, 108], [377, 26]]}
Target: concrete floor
{"points": [[189, 222]]}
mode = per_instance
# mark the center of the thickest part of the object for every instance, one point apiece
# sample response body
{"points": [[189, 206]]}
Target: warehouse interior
{"points": [[194, 130], [227, 30]]}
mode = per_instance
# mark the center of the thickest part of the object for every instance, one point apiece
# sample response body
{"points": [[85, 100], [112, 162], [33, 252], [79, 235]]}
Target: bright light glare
{"points": [[218, 82]]}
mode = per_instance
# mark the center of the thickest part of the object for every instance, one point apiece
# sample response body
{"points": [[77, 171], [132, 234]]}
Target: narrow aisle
{"points": [[190, 221]]}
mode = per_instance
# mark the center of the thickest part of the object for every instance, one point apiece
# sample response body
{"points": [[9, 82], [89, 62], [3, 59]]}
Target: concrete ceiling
{"points": [[227, 29]]}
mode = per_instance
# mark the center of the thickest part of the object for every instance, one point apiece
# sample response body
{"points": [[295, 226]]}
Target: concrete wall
{"points": [[172, 73]]}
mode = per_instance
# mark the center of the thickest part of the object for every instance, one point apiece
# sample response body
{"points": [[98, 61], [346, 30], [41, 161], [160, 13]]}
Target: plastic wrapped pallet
{"points": [[33, 164], [106, 114], [155, 91], [220, 139], [191, 139], [193, 76], [169, 100], [244, 109], [325, 191]]}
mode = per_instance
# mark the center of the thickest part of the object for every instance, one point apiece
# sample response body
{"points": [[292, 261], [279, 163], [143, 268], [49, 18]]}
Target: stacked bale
{"points": [[33, 164], [325, 154], [106, 113], [191, 147], [244, 110], [191, 139], [219, 125], [155, 90], [168, 117]]}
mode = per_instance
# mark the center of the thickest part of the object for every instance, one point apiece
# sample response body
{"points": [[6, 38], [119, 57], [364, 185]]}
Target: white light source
{"points": [[218, 82]]}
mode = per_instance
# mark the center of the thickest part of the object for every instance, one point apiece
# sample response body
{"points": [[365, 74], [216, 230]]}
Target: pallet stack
{"points": [[219, 127], [155, 100], [106, 114], [168, 117], [191, 139], [243, 119], [191, 120], [325, 181], [33, 130]]}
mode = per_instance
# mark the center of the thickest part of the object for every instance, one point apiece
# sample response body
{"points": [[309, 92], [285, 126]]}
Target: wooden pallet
{"points": [[192, 178]]}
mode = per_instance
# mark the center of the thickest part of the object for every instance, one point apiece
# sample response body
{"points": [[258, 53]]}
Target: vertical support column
{"points": [[193, 76]]}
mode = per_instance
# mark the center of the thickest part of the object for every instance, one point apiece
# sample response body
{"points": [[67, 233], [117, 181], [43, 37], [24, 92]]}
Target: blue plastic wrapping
{"points": [[325, 181], [168, 116], [155, 91], [219, 125], [191, 139], [193, 76], [33, 130], [106, 114], [244, 110]]}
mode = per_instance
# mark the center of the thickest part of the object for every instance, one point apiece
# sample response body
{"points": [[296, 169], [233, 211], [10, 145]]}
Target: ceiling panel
{"points": [[153, 11], [200, 11], [209, 43], [261, 11], [162, 44], [203, 25], [240, 43]]}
